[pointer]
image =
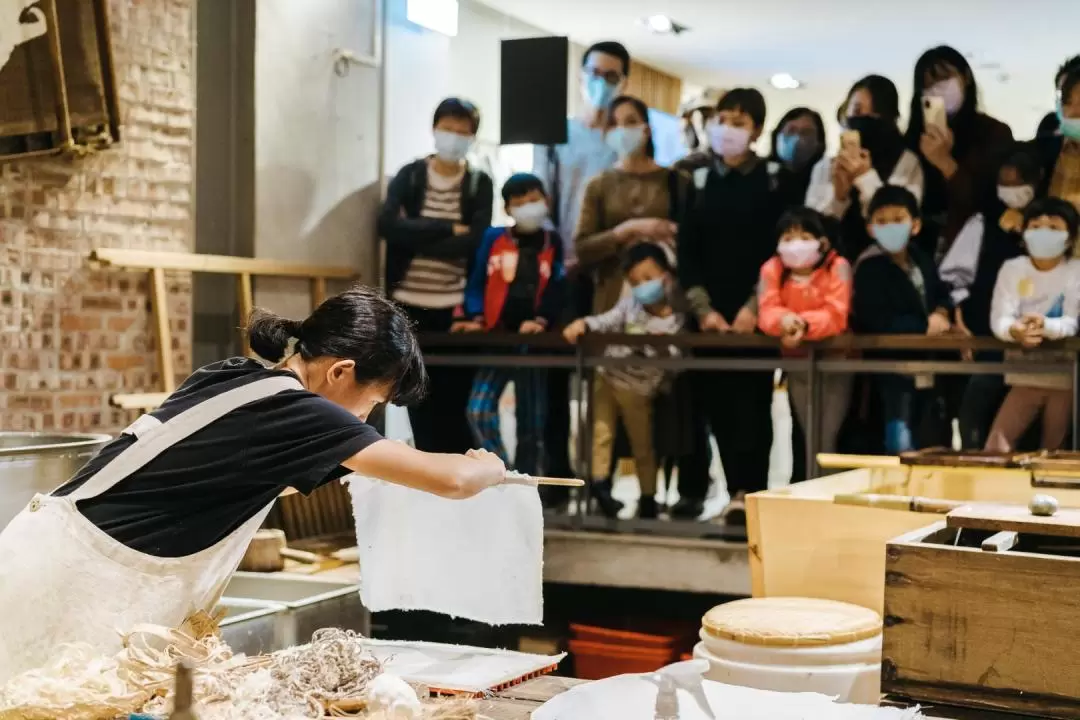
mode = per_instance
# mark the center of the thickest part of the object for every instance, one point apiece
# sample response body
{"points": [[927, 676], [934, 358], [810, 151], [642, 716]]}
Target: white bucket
{"points": [[850, 672]]}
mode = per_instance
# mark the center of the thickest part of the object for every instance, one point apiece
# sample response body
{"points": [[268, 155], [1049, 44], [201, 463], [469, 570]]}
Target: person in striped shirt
{"points": [[435, 213]]}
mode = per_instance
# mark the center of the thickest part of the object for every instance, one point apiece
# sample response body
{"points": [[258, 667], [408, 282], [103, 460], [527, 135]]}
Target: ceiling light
{"points": [[784, 81], [663, 25]]}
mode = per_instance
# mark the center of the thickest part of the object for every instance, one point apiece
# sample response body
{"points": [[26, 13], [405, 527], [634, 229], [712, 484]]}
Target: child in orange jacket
{"points": [[804, 293]]}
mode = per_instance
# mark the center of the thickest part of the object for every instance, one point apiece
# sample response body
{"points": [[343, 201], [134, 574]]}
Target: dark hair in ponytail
{"points": [[360, 325]]}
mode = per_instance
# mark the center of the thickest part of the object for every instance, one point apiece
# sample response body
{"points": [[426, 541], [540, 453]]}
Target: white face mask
{"points": [[727, 141], [530, 217], [625, 140], [951, 91], [1046, 243], [799, 254], [452, 147], [1016, 196]]}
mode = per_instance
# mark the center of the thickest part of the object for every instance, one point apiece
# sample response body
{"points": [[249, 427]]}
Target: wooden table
{"points": [[518, 703]]}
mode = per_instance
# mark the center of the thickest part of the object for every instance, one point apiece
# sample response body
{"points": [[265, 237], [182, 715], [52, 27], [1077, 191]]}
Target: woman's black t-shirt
{"points": [[207, 485]]}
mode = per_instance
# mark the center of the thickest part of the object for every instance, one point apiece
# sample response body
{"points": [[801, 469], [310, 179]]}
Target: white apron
{"points": [[64, 580]]}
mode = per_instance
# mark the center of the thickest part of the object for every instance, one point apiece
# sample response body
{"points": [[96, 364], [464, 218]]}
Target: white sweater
{"points": [[1023, 289], [821, 196]]}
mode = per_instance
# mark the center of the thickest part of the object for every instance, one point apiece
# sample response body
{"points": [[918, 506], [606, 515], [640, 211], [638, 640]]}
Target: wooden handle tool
{"points": [[911, 503], [513, 477]]}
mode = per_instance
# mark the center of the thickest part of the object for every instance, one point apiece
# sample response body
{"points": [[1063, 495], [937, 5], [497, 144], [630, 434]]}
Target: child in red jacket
{"points": [[804, 293]]}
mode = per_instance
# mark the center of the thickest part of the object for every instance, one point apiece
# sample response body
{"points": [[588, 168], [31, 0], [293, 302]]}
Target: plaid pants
{"points": [[530, 395]]}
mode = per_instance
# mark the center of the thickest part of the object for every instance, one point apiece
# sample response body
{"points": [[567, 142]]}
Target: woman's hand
{"points": [[858, 164], [961, 327], [466, 326], [491, 470], [745, 322], [1012, 220], [575, 330], [532, 327], [937, 324], [841, 179], [936, 145], [645, 228], [714, 322]]}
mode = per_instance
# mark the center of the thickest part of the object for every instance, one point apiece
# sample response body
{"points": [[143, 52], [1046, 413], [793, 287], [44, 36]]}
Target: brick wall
{"points": [[70, 336]]}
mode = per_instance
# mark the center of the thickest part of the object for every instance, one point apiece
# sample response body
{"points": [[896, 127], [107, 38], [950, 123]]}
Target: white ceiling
{"points": [[1013, 44]]}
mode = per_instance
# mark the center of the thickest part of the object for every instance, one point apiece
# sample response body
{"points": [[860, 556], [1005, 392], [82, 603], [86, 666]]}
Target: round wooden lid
{"points": [[791, 622]]}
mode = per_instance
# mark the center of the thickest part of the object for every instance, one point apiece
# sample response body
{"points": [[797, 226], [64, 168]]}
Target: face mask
{"points": [[530, 217], [598, 92], [893, 237], [452, 147], [1016, 196], [651, 292], [799, 254], [625, 140], [1046, 243], [951, 91], [794, 150], [1070, 127], [728, 141], [873, 131]]}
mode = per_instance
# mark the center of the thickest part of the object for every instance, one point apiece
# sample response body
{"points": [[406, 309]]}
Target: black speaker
{"points": [[534, 90]]}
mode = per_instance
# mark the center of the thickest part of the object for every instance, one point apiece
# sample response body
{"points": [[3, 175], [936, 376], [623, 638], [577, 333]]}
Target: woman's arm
{"points": [[821, 195], [958, 267], [450, 476], [593, 242]]}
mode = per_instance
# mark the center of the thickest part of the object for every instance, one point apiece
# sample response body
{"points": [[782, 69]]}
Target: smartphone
{"points": [[934, 112], [850, 142]]}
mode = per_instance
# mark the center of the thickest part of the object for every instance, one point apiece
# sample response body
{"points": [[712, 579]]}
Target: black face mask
{"points": [[874, 132]]}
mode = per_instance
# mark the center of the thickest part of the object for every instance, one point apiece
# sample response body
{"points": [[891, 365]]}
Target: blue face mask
{"points": [[452, 147], [1046, 243], [651, 292], [599, 92], [1070, 127], [893, 237]]}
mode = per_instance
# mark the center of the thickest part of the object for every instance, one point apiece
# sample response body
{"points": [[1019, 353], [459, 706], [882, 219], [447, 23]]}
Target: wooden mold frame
{"points": [[157, 263], [804, 544]]}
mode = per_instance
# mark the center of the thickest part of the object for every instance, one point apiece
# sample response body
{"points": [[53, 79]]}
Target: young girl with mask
{"points": [[798, 144], [842, 187], [970, 269], [957, 160], [805, 294], [1037, 298], [626, 392]]}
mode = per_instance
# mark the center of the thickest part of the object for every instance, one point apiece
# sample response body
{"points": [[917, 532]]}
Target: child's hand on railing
{"points": [[575, 330], [467, 326], [532, 327]]}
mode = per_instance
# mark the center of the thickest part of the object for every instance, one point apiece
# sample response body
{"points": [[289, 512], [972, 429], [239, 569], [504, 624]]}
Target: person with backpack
{"points": [[436, 211]]}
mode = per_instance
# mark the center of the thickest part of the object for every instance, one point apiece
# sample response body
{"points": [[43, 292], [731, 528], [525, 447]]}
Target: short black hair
{"points": [[893, 196], [804, 218], [1069, 82], [1021, 157], [642, 110], [457, 108], [1070, 65], [612, 48], [1049, 125], [1054, 207], [747, 100], [643, 251], [521, 184]]}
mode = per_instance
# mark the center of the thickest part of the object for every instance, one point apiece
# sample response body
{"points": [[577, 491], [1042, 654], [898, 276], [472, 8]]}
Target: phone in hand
{"points": [[934, 112], [850, 142]]}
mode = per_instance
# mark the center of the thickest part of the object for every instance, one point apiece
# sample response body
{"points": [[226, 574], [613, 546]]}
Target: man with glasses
{"points": [[565, 170]]}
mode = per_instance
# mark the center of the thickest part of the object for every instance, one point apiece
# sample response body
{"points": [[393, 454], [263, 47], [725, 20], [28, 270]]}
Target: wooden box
{"points": [[803, 543], [983, 610]]}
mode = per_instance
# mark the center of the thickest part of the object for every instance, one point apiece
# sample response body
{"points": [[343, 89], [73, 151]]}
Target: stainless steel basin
{"points": [[32, 463], [309, 603], [250, 627]]}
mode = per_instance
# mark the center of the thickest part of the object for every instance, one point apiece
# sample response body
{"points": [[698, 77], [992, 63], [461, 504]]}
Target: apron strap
{"points": [[143, 425], [152, 441]]}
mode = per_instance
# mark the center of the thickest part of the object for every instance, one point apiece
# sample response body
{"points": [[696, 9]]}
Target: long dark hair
{"points": [[885, 150], [643, 110], [882, 93], [361, 325], [790, 115], [936, 64]]}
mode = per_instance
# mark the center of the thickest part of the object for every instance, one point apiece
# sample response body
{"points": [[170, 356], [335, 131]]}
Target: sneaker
{"points": [[735, 512], [608, 505], [688, 509], [647, 509]]}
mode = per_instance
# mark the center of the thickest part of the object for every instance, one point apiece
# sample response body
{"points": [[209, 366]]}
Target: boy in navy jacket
{"points": [[515, 286]]}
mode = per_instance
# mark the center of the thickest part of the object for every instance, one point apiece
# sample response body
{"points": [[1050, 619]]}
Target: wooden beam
{"points": [[193, 262], [245, 305], [138, 401], [318, 292], [160, 307]]}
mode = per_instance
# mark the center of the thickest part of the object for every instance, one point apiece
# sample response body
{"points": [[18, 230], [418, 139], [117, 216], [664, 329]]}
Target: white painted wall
{"points": [[316, 145]]}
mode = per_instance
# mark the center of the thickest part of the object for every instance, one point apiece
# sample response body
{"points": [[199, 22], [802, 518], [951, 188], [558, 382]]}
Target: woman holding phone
{"points": [[958, 146]]}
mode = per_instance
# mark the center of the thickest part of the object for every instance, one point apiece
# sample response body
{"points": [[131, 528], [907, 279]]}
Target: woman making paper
{"points": [[151, 528]]}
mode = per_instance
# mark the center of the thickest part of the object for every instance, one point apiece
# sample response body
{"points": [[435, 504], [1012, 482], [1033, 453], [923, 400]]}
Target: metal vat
{"points": [[250, 627], [32, 463]]}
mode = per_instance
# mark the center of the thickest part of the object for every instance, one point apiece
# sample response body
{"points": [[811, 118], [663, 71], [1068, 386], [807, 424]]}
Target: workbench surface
{"points": [[518, 703]]}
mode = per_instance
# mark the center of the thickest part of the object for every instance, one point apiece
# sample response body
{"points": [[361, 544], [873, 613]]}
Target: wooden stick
{"points": [[910, 503], [835, 461], [225, 264], [245, 303], [159, 302], [558, 482]]}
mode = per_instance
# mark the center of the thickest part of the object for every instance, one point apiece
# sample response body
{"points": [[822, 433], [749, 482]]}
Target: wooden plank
{"points": [[159, 303], [138, 401], [994, 630], [318, 292], [245, 305], [836, 461], [1000, 542], [1017, 518], [192, 262]]}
